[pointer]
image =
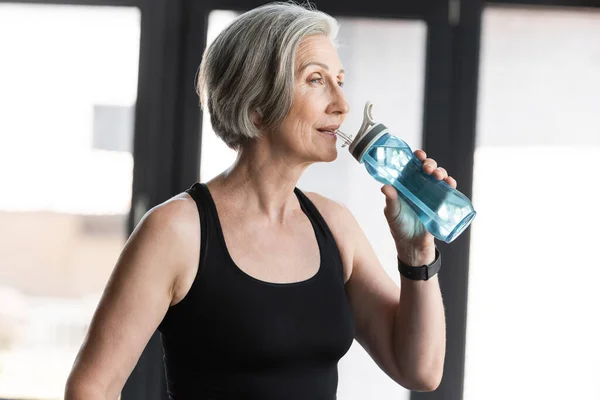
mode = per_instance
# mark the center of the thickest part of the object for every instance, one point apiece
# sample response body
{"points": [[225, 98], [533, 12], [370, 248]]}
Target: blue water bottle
{"points": [[444, 211]]}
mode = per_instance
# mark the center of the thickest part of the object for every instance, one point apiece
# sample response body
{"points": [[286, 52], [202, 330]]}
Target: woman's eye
{"points": [[321, 81]]}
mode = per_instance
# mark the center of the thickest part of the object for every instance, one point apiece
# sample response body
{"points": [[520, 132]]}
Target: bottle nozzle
{"points": [[345, 138]]}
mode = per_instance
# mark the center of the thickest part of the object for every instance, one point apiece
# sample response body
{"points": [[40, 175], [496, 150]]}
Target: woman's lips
{"points": [[330, 134]]}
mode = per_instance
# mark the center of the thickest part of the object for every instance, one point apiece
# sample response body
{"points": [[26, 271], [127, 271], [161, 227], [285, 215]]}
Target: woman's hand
{"points": [[415, 245]]}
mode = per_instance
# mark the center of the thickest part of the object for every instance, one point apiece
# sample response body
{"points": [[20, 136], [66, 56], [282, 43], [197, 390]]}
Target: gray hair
{"points": [[250, 67]]}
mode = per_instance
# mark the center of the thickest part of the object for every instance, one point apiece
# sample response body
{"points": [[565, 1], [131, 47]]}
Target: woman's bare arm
{"points": [[146, 280]]}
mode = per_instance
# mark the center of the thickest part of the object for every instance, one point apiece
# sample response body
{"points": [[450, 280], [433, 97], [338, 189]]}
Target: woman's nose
{"points": [[338, 103]]}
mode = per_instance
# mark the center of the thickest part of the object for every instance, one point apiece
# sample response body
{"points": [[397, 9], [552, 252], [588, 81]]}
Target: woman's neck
{"points": [[262, 180]]}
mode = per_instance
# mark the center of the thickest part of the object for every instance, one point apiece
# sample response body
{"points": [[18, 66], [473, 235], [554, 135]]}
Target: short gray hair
{"points": [[250, 67]]}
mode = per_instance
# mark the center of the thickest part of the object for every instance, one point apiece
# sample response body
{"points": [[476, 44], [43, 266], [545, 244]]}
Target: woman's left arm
{"points": [[403, 330]]}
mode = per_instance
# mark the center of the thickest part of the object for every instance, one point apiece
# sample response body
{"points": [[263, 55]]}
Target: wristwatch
{"points": [[424, 272]]}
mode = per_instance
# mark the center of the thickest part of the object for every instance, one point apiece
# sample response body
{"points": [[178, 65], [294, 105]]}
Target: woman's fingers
{"points": [[430, 167], [451, 181], [420, 154], [440, 173]]}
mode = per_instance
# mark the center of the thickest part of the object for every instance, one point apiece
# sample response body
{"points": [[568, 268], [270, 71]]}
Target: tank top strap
{"points": [[320, 226], [198, 192], [195, 191]]}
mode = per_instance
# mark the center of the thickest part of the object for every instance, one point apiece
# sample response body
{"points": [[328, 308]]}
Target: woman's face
{"points": [[319, 106]]}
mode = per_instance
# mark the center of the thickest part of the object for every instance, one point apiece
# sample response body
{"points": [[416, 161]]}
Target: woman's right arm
{"points": [[146, 280]]}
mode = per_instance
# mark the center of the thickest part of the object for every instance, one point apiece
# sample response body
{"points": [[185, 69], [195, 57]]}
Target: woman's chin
{"points": [[326, 148], [330, 154]]}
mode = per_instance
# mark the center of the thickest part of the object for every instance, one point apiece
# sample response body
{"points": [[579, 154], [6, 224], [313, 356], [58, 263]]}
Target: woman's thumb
{"points": [[392, 203]]}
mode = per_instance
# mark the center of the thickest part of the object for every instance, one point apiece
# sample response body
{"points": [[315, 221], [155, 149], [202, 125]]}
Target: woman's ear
{"points": [[256, 117]]}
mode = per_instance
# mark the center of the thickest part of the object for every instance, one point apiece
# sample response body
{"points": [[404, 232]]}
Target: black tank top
{"points": [[236, 337]]}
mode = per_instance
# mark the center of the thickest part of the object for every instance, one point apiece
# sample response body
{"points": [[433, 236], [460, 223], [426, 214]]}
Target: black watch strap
{"points": [[424, 272]]}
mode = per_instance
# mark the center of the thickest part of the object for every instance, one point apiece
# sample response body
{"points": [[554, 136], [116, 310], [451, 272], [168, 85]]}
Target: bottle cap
{"points": [[369, 132]]}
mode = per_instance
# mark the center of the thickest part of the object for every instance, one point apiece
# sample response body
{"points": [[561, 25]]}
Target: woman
{"points": [[257, 288]]}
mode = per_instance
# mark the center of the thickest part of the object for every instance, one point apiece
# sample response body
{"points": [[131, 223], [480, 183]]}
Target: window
{"points": [[66, 190], [532, 328]]}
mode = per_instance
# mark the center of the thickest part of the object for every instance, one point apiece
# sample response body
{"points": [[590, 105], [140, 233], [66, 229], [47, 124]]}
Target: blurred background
{"points": [[99, 122]]}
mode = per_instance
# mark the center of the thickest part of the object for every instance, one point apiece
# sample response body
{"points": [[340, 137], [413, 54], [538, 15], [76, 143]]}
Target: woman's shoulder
{"points": [[174, 226], [330, 209], [177, 221], [178, 215]]}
